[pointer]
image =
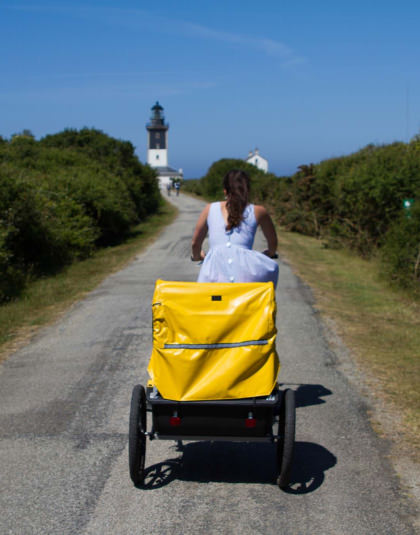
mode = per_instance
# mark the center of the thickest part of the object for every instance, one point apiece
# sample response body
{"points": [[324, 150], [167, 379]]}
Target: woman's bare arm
{"points": [[267, 226], [200, 233]]}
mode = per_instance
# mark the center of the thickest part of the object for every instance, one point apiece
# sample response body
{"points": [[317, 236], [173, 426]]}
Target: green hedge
{"points": [[63, 196]]}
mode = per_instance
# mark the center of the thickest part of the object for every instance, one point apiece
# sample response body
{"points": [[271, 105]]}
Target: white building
{"points": [[157, 147], [255, 158]]}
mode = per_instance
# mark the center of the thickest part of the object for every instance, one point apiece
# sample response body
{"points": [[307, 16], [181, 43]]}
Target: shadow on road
{"points": [[233, 462], [307, 394], [310, 462]]}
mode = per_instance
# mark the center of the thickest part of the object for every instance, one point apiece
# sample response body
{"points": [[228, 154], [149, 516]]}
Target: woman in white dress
{"points": [[231, 226]]}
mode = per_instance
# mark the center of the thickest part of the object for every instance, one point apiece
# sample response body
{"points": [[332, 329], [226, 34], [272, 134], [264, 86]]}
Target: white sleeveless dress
{"points": [[230, 257]]}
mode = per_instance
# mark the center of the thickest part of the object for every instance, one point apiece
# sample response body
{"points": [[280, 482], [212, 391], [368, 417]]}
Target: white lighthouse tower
{"points": [[157, 147]]}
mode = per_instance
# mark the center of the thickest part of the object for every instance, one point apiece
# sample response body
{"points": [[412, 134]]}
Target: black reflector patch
{"points": [[216, 297]]}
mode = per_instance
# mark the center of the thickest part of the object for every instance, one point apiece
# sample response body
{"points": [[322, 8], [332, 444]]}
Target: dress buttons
{"points": [[230, 260]]}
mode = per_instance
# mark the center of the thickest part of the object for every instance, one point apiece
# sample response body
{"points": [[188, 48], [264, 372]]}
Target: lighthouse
{"points": [[157, 147]]}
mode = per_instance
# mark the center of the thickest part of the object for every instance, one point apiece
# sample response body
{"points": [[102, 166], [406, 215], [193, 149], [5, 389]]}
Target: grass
{"points": [[379, 324], [44, 300]]}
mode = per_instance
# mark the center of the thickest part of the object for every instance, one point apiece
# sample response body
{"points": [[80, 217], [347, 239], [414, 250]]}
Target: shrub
{"points": [[39, 232], [400, 252], [62, 196]]}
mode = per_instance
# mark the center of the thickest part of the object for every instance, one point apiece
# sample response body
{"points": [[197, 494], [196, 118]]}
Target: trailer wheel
{"points": [[137, 435], [285, 443]]}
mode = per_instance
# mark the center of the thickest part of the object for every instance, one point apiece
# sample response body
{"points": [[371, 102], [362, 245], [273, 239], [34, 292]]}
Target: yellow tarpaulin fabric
{"points": [[213, 340]]}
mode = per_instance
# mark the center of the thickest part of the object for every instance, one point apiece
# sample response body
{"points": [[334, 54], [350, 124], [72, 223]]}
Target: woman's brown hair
{"points": [[237, 184]]}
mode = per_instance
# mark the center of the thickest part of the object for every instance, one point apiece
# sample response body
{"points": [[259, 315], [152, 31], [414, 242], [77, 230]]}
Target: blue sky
{"points": [[302, 80]]}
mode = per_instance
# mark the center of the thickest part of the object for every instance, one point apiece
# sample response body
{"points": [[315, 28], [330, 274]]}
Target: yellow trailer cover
{"points": [[213, 340]]}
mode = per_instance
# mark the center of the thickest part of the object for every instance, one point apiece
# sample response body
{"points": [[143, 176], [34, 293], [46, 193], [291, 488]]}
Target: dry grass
{"points": [[380, 325], [46, 299]]}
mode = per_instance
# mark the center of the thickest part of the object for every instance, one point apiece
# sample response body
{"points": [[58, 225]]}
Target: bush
{"points": [[118, 159], [62, 196], [211, 185], [400, 252], [193, 186], [39, 232]]}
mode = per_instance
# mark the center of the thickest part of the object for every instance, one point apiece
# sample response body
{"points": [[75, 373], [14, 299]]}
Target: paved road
{"points": [[64, 407]]}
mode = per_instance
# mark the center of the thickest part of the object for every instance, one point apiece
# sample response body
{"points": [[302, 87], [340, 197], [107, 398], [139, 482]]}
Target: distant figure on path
{"points": [[177, 186], [168, 188], [231, 225]]}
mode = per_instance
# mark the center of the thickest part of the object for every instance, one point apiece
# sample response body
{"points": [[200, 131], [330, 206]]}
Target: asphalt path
{"points": [[64, 409]]}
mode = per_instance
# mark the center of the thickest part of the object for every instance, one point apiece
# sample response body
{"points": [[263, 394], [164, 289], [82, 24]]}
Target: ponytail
{"points": [[236, 184]]}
